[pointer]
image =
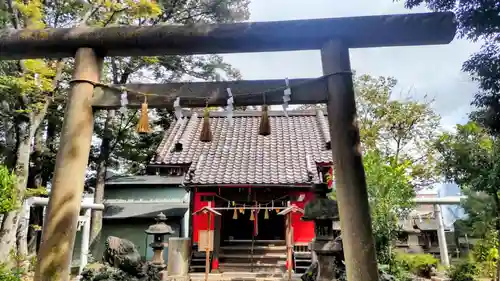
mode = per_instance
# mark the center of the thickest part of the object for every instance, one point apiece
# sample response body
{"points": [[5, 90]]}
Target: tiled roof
{"points": [[144, 180], [239, 155]]}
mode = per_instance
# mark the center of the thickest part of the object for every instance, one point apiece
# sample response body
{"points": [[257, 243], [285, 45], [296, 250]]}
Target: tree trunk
{"points": [[8, 236], [104, 152], [22, 235], [35, 181], [9, 226], [26, 126]]}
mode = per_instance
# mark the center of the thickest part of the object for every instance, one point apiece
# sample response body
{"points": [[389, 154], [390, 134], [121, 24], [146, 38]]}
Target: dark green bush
{"points": [[8, 274], [465, 271], [421, 265]]}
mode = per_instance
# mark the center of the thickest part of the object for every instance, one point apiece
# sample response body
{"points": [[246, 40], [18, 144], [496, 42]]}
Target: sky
{"points": [[422, 71]]}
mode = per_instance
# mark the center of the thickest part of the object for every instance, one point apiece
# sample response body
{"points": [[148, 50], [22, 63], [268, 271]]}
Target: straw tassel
{"points": [[206, 133], [266, 215], [143, 124], [265, 126], [252, 218], [235, 214]]}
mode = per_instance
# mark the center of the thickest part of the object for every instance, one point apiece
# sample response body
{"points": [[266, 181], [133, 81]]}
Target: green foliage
{"points": [[399, 155], [418, 264], [16, 273], [471, 158], [7, 274], [390, 193], [485, 253], [464, 271], [478, 20], [33, 93], [397, 269], [401, 130], [36, 192], [8, 192]]}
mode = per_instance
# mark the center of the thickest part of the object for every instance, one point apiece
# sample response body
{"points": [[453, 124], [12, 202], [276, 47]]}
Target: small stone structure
{"points": [[159, 230], [326, 248]]}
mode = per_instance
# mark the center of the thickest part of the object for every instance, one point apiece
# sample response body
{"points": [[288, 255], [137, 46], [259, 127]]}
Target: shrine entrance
{"points": [[238, 225]]}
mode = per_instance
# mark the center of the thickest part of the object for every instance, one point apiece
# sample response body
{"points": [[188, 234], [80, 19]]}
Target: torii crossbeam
{"points": [[333, 37]]}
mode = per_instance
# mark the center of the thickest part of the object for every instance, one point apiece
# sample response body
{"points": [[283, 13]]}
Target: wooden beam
{"points": [[311, 34], [195, 94]]}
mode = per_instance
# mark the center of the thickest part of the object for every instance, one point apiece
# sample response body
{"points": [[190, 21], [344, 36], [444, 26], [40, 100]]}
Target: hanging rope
{"points": [[206, 136]]}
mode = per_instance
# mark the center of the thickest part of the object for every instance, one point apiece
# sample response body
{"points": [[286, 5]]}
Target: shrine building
{"points": [[252, 180], [249, 179]]}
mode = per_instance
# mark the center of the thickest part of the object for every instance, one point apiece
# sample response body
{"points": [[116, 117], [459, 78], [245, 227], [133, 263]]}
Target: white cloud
{"points": [[433, 71]]}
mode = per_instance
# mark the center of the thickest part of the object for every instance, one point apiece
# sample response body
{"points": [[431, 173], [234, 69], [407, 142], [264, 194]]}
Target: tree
{"points": [[471, 158], [33, 92], [401, 130], [390, 195], [478, 20], [27, 88], [121, 147]]}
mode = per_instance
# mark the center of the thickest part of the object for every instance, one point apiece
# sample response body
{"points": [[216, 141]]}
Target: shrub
{"points": [[465, 271], [8, 274], [485, 253], [8, 192], [396, 270], [419, 264]]}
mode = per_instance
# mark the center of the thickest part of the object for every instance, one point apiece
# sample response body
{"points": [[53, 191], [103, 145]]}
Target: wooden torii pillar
{"points": [[332, 36]]}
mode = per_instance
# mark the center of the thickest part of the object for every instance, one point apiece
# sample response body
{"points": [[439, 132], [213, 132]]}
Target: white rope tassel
{"points": [[286, 96], [178, 108], [229, 108], [123, 101]]}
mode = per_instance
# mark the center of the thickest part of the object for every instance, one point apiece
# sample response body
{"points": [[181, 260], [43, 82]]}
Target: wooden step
{"points": [[302, 267], [270, 242], [268, 268], [303, 254], [255, 247], [256, 264], [255, 256]]}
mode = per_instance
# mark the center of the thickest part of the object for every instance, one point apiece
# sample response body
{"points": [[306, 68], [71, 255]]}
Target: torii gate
{"points": [[332, 36]]}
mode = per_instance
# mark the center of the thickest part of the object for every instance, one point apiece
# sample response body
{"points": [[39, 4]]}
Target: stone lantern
{"points": [[159, 230], [325, 247]]}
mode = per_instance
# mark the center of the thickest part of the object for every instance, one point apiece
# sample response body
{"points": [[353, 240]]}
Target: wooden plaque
{"points": [[202, 240]]}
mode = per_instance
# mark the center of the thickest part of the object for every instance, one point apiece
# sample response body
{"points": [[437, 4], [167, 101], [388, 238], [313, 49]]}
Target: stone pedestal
{"points": [[326, 248], [179, 251], [329, 255]]}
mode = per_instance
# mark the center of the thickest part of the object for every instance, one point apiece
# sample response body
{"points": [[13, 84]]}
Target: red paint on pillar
{"points": [[200, 220], [303, 231], [215, 263]]}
